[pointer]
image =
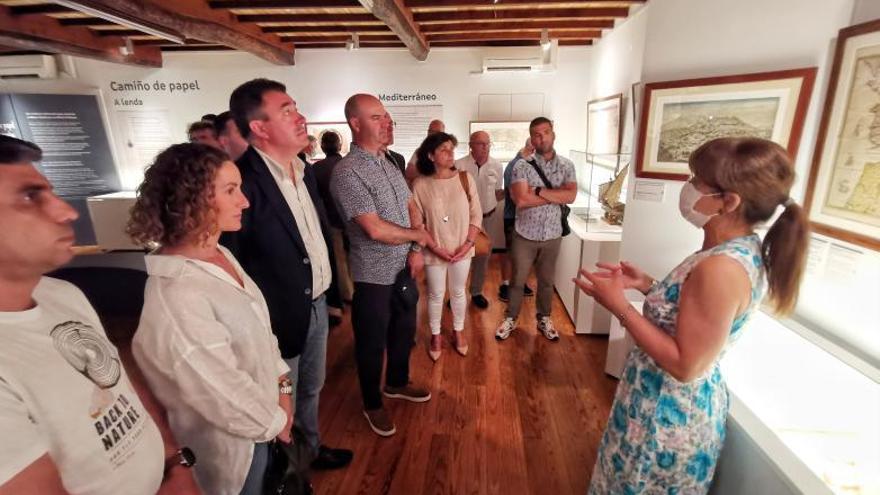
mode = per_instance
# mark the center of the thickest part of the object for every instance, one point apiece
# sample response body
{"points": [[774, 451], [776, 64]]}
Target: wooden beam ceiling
{"points": [[194, 19], [399, 18], [435, 5], [522, 14], [43, 33], [516, 25]]}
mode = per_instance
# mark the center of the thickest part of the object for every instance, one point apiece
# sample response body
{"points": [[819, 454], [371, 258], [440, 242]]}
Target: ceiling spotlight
{"points": [[128, 48], [354, 43], [545, 39]]}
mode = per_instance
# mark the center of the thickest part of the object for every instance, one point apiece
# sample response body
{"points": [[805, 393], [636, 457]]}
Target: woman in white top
{"points": [[204, 342], [440, 204]]}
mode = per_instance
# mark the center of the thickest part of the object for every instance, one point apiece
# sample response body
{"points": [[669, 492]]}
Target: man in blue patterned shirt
{"points": [[538, 226]]}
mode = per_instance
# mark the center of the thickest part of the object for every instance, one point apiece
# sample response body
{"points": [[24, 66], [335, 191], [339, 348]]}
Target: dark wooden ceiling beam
{"points": [[43, 33], [472, 43], [513, 25], [281, 30], [282, 4], [399, 18], [42, 8], [521, 14], [340, 18], [194, 19], [507, 35], [339, 38], [545, 4]]}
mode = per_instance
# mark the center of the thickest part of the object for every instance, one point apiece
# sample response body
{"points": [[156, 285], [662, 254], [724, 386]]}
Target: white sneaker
{"points": [[505, 329], [545, 326]]}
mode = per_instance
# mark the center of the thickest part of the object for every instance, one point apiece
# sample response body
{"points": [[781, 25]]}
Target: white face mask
{"points": [[687, 200]]}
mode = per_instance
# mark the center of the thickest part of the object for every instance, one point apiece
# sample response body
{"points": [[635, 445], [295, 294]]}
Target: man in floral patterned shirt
{"points": [[538, 227]]}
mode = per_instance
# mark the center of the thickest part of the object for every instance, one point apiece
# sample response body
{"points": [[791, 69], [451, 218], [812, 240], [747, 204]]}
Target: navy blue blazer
{"points": [[271, 250]]}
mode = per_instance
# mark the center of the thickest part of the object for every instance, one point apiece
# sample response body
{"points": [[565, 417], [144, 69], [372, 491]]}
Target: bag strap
{"points": [[462, 176], [540, 172]]}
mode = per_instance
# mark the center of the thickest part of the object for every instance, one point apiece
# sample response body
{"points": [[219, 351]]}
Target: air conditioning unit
{"points": [[531, 60], [512, 64], [28, 67]]}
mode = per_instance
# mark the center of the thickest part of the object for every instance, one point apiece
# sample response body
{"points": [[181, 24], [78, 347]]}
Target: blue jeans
{"points": [[307, 372], [253, 484]]}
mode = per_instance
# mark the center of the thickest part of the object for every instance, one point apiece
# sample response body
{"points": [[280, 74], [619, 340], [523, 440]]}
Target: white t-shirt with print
{"points": [[63, 391]]}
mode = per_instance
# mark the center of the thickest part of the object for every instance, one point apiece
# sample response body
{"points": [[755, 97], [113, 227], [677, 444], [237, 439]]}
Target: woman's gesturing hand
{"points": [[605, 286], [633, 276]]}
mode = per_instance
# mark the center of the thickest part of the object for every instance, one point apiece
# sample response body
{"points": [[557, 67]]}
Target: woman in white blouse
{"points": [[204, 342]]}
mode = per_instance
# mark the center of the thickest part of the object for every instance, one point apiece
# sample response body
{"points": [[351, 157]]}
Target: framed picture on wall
{"points": [[318, 129], [604, 119], [843, 192], [679, 116], [507, 137]]}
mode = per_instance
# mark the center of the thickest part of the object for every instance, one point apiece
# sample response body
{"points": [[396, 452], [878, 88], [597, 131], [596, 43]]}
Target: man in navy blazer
{"points": [[284, 246]]}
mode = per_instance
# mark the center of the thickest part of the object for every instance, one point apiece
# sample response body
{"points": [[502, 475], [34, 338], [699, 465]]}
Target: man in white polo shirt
{"points": [[70, 420], [488, 172]]}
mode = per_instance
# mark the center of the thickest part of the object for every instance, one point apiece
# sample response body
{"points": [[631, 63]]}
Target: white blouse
{"points": [[206, 348]]}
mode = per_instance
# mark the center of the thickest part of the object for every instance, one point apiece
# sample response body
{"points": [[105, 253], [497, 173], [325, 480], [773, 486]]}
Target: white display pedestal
{"points": [[620, 342], [583, 248]]}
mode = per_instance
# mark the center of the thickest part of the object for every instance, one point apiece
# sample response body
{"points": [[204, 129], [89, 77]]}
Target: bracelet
{"points": [[651, 286], [538, 192], [285, 387], [414, 247], [471, 241]]}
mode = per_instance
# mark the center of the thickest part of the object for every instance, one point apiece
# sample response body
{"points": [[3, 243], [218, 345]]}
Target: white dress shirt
{"points": [[296, 194], [488, 176], [206, 348]]}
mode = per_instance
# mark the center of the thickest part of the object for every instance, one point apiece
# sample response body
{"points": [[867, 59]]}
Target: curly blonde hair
{"points": [[174, 202]]}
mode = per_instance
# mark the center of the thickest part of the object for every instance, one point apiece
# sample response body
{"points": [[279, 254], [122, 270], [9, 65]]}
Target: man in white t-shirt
{"points": [[488, 173], [70, 420]]}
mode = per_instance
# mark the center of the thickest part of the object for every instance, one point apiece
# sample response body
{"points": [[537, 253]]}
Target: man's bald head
{"points": [[436, 126], [368, 120], [479, 144], [354, 104]]}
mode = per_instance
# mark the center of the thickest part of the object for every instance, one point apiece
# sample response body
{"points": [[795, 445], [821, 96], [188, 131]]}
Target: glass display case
{"points": [[601, 198]]}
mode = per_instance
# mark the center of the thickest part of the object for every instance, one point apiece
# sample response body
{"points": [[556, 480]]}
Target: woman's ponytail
{"points": [[785, 253]]}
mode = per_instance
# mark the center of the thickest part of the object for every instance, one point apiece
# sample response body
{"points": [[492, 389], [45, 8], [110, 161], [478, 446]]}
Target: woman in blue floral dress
{"points": [[667, 423]]}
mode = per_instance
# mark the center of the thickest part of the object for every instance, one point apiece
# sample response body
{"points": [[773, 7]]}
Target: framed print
{"points": [[843, 192], [679, 116], [507, 137], [317, 129], [603, 125]]}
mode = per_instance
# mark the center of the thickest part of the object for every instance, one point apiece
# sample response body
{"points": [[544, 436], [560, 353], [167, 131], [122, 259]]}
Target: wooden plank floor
{"points": [[523, 416]]}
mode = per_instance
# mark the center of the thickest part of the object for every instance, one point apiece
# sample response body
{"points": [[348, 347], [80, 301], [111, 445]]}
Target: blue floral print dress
{"points": [[664, 436]]}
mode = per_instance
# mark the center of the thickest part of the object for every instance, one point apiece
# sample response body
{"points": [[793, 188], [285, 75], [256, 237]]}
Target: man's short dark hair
{"points": [[331, 143], [209, 117], [538, 121], [14, 150], [200, 126], [220, 122], [246, 102]]}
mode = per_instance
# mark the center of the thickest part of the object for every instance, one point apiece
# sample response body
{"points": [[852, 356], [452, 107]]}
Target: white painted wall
{"points": [[865, 10], [690, 38], [322, 80]]}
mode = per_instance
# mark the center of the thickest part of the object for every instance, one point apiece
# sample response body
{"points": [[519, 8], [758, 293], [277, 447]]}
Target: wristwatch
{"points": [[538, 191], [184, 457], [285, 387], [414, 247]]}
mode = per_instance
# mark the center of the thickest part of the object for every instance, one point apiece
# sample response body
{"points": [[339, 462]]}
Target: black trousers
{"points": [[380, 324]]}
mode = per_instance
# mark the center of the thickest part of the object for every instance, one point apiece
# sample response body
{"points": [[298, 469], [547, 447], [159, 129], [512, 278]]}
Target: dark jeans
{"points": [[253, 484], [379, 324]]}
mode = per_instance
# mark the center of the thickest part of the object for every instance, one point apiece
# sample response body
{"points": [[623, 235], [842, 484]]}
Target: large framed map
{"points": [[678, 116], [843, 193], [507, 138]]}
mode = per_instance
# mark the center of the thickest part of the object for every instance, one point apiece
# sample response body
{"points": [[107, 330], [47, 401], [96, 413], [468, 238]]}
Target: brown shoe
{"points": [[412, 394], [380, 422]]}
